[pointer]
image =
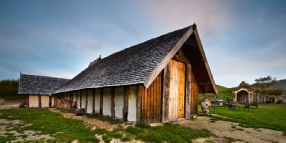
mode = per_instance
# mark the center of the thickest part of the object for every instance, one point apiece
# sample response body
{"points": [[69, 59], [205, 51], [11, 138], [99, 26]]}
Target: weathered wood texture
{"points": [[188, 91], [166, 92], [177, 90], [138, 102], [194, 95], [151, 101]]}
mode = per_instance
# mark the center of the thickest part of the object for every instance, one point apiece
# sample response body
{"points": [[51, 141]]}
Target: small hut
{"points": [[38, 89], [155, 81]]}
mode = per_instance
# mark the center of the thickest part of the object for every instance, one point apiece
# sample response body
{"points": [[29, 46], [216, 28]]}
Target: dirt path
{"points": [[10, 105], [229, 131]]}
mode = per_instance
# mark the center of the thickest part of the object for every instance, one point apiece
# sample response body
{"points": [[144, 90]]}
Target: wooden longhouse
{"points": [[155, 81], [38, 89]]}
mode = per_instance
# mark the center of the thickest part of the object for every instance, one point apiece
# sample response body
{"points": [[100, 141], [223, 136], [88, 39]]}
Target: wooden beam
{"points": [[181, 59], [188, 91], [27, 100], [112, 102], [101, 101], [138, 102], [50, 101], [76, 96], [166, 90], [40, 101]]}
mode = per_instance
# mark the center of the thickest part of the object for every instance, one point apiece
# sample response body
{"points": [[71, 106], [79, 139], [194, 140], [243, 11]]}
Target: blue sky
{"points": [[242, 39]]}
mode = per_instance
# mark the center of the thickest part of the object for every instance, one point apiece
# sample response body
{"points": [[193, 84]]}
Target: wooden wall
{"points": [[194, 98], [151, 99]]}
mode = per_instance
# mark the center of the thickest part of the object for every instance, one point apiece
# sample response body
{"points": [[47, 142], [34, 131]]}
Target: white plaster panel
{"points": [[83, 98], [132, 104], [107, 102], [97, 101], [89, 104], [119, 102], [45, 101], [74, 95], [77, 100], [33, 101]]}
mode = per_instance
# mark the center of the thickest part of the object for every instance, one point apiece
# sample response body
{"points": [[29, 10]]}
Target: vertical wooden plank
{"points": [[181, 88], [151, 117], [166, 90], [143, 104], [93, 101], [188, 91], [86, 99], [27, 100], [148, 104], [159, 100], [50, 101], [112, 102], [101, 101], [138, 103], [40, 101]]}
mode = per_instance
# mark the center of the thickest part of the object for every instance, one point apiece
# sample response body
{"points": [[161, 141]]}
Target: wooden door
{"points": [[177, 90]]}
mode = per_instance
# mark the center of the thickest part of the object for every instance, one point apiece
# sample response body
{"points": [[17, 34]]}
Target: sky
{"points": [[242, 39]]}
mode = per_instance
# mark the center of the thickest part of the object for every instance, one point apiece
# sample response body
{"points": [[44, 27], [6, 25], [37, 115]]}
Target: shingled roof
{"points": [[40, 85], [139, 64]]}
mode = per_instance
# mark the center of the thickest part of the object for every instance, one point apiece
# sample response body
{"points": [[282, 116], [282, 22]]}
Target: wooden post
{"points": [[165, 99], [40, 101], [126, 100], [101, 101], [93, 98], [76, 96], [86, 100], [188, 91], [80, 99], [50, 101], [112, 102], [27, 100], [138, 103]]}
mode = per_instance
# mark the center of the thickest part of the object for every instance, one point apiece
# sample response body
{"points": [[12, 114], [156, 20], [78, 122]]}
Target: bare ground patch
{"points": [[12, 129], [231, 132]]}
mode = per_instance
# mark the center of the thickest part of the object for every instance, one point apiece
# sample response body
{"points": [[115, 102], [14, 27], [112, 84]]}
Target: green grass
{"points": [[67, 130], [270, 116], [62, 129], [167, 133]]}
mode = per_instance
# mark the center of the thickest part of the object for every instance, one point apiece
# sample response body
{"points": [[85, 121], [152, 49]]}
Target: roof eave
{"points": [[148, 81]]}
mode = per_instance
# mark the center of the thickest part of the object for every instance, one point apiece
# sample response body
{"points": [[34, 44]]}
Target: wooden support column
{"points": [[76, 97], [80, 99], [188, 91], [166, 90], [93, 102], [40, 101], [50, 101], [101, 101], [125, 105], [139, 102], [27, 100], [86, 100], [112, 102]]}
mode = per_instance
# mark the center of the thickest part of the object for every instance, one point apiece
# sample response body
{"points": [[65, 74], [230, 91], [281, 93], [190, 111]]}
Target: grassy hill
{"points": [[223, 93]]}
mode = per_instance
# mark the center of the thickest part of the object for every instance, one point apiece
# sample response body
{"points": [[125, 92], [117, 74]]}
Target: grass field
{"points": [[67, 130], [270, 116]]}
